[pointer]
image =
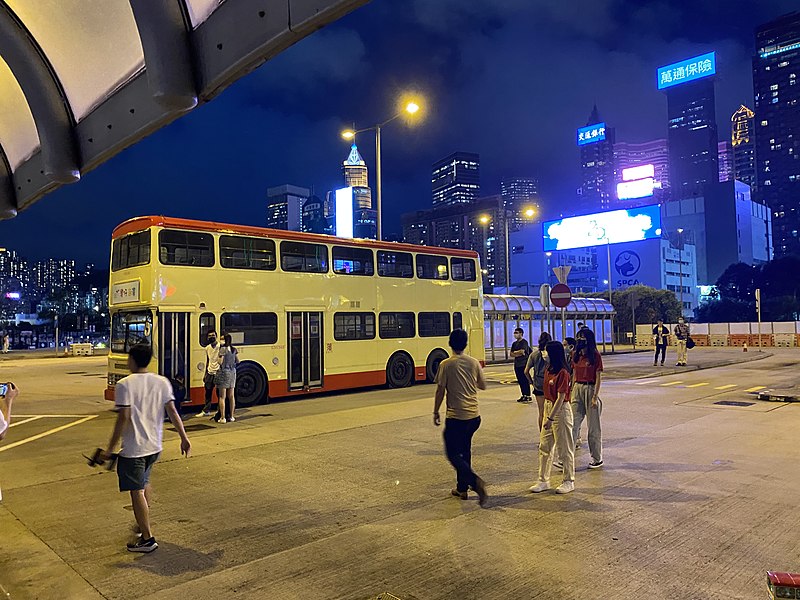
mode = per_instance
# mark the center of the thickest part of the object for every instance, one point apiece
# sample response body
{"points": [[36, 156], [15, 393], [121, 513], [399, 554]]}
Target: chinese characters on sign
{"points": [[687, 70], [122, 293], [591, 134]]}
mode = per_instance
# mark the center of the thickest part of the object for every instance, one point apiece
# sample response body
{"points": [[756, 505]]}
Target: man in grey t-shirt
{"points": [[459, 378]]}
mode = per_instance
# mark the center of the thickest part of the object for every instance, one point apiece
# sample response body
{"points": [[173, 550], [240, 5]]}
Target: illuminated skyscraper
{"points": [[455, 179], [692, 125], [598, 183], [725, 159], [743, 142], [285, 207], [356, 176], [776, 83], [654, 152], [519, 193]]}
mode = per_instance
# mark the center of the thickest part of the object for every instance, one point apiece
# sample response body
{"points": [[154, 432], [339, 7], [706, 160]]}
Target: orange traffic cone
{"points": [[744, 348]]}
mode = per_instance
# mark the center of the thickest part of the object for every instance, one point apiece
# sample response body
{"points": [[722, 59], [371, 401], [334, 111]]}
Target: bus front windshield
{"points": [[131, 328]]}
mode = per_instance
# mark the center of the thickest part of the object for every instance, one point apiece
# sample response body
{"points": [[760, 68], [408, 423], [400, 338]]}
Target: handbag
{"points": [[690, 343]]}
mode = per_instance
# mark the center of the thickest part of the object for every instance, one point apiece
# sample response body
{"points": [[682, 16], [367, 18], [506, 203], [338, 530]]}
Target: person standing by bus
{"points": [[520, 350], [681, 337], [660, 339], [535, 369], [459, 378], [225, 379], [587, 371], [556, 433], [212, 366]]}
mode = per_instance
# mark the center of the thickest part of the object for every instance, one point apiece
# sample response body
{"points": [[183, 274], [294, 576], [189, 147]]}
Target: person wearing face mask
{"points": [[587, 373], [212, 367], [681, 332], [520, 350]]}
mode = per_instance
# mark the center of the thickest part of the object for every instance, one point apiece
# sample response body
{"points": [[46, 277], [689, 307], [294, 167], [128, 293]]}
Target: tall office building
{"points": [[519, 194], [725, 159], [743, 142], [52, 274], [598, 182], [692, 126], [355, 169], [13, 270], [285, 207], [654, 152], [455, 179], [478, 226], [776, 83]]}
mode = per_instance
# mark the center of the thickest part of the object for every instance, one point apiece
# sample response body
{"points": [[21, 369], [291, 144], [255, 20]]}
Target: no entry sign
{"points": [[560, 295]]}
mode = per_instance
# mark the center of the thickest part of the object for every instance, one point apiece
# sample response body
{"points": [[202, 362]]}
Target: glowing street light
{"points": [[406, 106]]}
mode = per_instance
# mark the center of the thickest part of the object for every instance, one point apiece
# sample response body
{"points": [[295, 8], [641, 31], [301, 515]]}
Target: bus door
{"points": [[174, 351], [305, 350]]}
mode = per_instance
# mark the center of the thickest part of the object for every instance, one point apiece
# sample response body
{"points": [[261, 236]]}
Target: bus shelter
{"points": [[503, 314]]}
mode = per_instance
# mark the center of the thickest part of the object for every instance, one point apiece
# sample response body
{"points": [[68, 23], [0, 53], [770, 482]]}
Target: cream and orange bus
{"points": [[308, 312]]}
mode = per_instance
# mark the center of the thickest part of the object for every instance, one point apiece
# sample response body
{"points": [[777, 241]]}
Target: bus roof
{"points": [[142, 223], [780, 578]]}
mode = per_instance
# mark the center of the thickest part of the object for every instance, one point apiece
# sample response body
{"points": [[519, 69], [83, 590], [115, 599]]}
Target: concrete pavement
{"points": [[348, 496]]}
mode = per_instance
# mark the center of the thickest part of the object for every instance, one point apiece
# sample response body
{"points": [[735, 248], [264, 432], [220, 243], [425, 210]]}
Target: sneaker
{"points": [[541, 486], [557, 464], [231, 420], [457, 494], [566, 487], [595, 464], [527, 400], [222, 421], [141, 545], [204, 413], [654, 364], [521, 399], [480, 488]]}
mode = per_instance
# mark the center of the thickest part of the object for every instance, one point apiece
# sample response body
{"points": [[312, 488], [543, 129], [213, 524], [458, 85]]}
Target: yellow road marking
{"points": [[726, 387], [671, 383], [755, 389], [16, 416], [25, 419], [649, 381], [46, 433], [697, 384]]}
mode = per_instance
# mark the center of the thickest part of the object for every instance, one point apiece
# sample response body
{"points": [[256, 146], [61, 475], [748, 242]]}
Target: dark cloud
{"points": [[509, 79]]}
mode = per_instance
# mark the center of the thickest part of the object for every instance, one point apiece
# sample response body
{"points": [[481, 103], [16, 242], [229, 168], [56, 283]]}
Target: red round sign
{"points": [[560, 295]]}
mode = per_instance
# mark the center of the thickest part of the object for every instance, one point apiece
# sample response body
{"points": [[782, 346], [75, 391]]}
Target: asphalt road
{"points": [[347, 496]]}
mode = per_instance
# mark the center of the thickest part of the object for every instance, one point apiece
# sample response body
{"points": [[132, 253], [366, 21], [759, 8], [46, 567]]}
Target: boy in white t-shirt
{"points": [[140, 400]]}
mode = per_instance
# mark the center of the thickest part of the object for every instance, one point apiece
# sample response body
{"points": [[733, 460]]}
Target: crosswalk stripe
{"points": [[697, 385], [648, 382], [755, 389], [671, 383], [725, 387]]}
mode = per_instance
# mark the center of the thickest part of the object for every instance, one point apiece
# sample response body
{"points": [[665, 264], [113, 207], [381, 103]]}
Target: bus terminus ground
{"points": [[307, 312]]}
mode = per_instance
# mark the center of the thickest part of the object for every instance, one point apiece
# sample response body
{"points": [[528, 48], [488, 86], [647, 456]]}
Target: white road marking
{"points": [[671, 383], [39, 436]]}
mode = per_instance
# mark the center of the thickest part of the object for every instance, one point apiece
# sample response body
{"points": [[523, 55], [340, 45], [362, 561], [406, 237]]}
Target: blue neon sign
{"points": [[610, 227], [687, 70], [591, 134]]}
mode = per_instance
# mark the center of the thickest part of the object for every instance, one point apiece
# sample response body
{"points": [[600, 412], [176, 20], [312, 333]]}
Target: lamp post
{"points": [[507, 215], [485, 220], [680, 266], [409, 108]]}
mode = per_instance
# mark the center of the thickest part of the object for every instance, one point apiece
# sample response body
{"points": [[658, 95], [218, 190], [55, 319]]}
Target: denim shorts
{"points": [[134, 473]]}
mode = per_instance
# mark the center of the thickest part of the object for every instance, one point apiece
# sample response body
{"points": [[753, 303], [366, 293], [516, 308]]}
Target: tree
{"points": [[726, 310], [652, 305], [738, 282]]}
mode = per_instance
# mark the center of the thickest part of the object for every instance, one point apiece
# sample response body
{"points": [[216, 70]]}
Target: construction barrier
{"points": [[783, 334], [701, 340], [785, 340], [81, 349]]}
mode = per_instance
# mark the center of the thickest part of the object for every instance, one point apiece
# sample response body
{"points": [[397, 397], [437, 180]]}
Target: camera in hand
{"points": [[97, 460]]}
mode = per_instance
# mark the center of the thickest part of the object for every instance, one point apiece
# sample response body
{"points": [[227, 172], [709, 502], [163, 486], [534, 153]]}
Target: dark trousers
{"points": [[458, 447], [663, 350], [208, 382], [522, 380]]}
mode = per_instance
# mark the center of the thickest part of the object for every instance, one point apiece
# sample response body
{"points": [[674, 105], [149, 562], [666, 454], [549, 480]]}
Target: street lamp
{"points": [[408, 108], [680, 265]]}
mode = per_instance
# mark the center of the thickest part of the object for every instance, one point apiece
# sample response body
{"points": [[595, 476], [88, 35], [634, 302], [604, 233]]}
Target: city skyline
{"points": [[217, 162]]}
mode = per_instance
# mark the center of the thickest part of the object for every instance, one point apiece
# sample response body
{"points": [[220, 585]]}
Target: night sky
{"points": [[511, 80]]}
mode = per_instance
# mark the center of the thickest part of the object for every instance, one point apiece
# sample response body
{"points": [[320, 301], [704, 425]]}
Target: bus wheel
{"points": [[251, 384], [432, 364], [400, 370]]}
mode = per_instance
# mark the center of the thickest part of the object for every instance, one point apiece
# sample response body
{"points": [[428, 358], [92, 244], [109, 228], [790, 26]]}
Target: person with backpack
{"points": [[556, 434], [537, 365], [520, 350]]}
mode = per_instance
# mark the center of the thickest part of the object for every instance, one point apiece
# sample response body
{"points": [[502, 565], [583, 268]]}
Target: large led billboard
{"points": [[614, 227], [591, 134], [687, 70], [344, 212]]}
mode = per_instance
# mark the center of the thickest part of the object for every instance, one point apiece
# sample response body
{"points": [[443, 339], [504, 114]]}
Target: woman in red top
{"points": [[557, 427], [587, 367]]}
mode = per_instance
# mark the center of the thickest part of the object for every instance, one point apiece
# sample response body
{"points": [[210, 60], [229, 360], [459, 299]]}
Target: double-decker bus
{"points": [[308, 312]]}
